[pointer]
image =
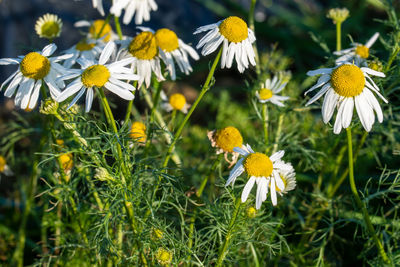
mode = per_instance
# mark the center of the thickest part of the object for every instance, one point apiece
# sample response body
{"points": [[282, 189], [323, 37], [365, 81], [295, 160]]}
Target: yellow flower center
{"points": [[96, 75], [348, 80], [35, 66], [234, 29], [83, 46], [66, 161], [138, 131], [163, 256], [362, 51], [167, 40], [258, 165], [228, 138], [50, 29], [143, 46], [2, 163], [101, 29], [265, 94], [177, 101]]}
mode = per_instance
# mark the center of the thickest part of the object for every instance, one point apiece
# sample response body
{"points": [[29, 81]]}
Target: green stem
{"points": [[278, 133], [118, 27], [217, 161], [98, 35], [172, 121], [228, 237], [359, 203], [265, 125], [130, 105], [392, 58], [338, 36], [203, 91]]}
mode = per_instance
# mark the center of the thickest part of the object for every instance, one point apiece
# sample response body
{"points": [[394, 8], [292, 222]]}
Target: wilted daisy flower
{"points": [[288, 176], [345, 86], [270, 90], [4, 168], [88, 49], [142, 9], [97, 74], [49, 26], [261, 169], [175, 102], [98, 4], [138, 132], [236, 38], [34, 69], [225, 140], [357, 54], [144, 49], [98, 29], [163, 256], [174, 48]]}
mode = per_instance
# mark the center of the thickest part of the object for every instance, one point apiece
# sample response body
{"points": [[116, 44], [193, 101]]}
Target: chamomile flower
{"points": [[97, 74], [144, 49], [175, 102], [34, 69], [358, 54], [138, 132], [142, 8], [288, 176], [88, 49], [263, 170], [48, 26], [270, 90], [236, 39], [225, 140], [344, 87], [98, 29], [98, 4], [4, 168], [174, 49]]}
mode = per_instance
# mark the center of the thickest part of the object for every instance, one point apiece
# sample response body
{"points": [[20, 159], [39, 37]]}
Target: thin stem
{"points": [[98, 35], [172, 121], [130, 105], [223, 252], [392, 58], [265, 125], [278, 133], [203, 91], [217, 161], [118, 27], [359, 203], [338, 36]]}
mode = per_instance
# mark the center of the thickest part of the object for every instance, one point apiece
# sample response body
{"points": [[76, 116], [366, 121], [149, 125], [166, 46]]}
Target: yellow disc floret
{"points": [[2, 164], [163, 256], [265, 94], [228, 138], [362, 51], [177, 101], [138, 131], [101, 29], [167, 40], [96, 75], [66, 161], [35, 66], [50, 29], [234, 29], [83, 46], [348, 80], [143, 46], [258, 165]]}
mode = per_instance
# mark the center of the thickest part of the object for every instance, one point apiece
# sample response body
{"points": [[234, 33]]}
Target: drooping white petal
{"points": [[247, 188]]}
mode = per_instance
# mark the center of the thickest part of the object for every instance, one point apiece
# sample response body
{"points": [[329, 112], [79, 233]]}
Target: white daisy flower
{"points": [[34, 69], [288, 176], [345, 86], [48, 26], [270, 90], [224, 140], [88, 49], [357, 54], [263, 170], [174, 49], [236, 39], [175, 102], [98, 4], [142, 8], [144, 49], [99, 74], [4, 168], [98, 29]]}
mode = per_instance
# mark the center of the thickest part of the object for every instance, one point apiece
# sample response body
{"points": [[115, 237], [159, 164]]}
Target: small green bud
{"points": [[375, 65], [338, 15], [251, 212], [163, 256], [103, 175], [156, 234]]}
